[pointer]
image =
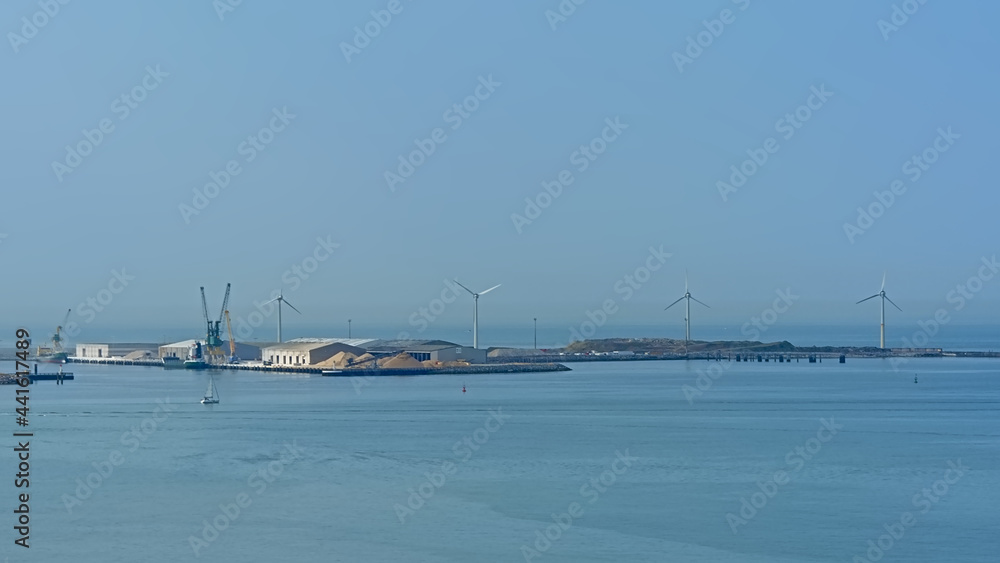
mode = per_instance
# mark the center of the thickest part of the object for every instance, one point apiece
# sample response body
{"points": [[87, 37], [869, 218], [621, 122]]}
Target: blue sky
{"points": [[211, 82]]}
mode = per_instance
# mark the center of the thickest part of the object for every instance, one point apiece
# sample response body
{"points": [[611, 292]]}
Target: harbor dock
{"points": [[510, 367]]}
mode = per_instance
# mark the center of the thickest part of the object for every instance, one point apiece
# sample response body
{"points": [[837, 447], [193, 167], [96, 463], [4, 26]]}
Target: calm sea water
{"points": [[366, 451]]}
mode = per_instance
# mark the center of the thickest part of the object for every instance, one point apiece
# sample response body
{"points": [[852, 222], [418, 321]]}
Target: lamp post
{"points": [[348, 328], [536, 333]]}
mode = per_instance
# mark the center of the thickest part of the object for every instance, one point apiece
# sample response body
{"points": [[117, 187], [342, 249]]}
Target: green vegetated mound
{"points": [[669, 346]]}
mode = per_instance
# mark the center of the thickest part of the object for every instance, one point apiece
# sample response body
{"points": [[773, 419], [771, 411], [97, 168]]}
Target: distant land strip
{"points": [[631, 349]]}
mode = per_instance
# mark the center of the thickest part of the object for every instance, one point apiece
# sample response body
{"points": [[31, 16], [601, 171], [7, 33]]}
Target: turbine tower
{"points": [[687, 312], [475, 311], [885, 298], [281, 299]]}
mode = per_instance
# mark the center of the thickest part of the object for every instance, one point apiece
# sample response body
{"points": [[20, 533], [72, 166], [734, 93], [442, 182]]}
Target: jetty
{"points": [[11, 379], [57, 377]]}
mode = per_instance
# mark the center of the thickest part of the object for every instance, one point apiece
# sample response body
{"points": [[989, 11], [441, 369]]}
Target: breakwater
{"points": [[499, 367]]}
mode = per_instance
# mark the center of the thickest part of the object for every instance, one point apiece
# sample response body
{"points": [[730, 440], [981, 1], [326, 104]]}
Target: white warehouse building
{"points": [[180, 350], [114, 350], [92, 351], [306, 351]]}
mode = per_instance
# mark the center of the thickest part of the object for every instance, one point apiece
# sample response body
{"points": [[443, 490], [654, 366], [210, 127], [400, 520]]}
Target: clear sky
{"points": [[341, 109]]}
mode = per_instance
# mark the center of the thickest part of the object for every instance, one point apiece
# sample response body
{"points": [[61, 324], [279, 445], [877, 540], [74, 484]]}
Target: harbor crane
{"points": [[57, 346], [213, 340], [232, 343], [55, 353]]}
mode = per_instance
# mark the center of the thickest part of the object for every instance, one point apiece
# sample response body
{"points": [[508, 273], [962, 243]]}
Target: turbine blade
{"points": [[883, 280], [292, 306], [490, 289], [465, 288], [867, 298], [893, 304], [271, 301], [672, 304], [696, 301], [685, 281]]}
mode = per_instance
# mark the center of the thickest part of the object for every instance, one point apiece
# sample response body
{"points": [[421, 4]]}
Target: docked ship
{"points": [[54, 354], [195, 358], [173, 362], [48, 355]]}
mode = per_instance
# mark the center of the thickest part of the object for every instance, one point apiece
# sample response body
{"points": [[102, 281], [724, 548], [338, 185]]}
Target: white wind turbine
{"points": [[885, 298], [281, 299], [475, 311], [687, 312]]}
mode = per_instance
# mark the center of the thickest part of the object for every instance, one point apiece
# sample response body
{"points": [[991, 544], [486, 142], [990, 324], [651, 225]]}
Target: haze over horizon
{"points": [[383, 248]]}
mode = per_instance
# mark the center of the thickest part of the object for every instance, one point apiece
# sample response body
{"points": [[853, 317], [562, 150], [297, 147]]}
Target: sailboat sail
{"points": [[211, 394]]}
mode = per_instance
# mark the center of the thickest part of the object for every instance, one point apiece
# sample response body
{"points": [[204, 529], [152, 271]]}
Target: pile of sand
{"points": [[402, 360], [432, 363], [140, 355], [343, 359], [339, 360]]}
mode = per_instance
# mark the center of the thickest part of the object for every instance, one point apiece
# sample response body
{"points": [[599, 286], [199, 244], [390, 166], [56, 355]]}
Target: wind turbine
{"points": [[885, 298], [687, 312], [281, 299], [475, 311]]}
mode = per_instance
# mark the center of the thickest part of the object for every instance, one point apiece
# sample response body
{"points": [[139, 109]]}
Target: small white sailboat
{"points": [[211, 394]]}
